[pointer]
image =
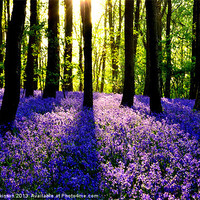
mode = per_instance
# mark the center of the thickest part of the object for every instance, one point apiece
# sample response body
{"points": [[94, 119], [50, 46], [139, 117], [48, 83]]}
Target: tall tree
{"points": [[197, 72], [168, 49], [114, 40], [81, 58], [53, 68], [13, 64], [136, 28], [104, 48], [32, 56], [160, 10], [159, 15], [87, 33], [193, 84], [129, 83], [8, 10], [82, 11], [147, 75], [155, 96], [68, 85], [1, 42]]}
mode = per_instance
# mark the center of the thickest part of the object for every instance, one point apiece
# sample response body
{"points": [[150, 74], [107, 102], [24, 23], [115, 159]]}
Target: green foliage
{"points": [[181, 48]]}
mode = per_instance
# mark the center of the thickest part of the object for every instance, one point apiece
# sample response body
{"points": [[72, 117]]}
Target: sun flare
{"points": [[97, 8]]}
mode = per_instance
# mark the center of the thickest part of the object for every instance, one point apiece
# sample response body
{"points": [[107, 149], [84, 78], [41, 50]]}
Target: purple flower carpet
{"points": [[108, 152]]}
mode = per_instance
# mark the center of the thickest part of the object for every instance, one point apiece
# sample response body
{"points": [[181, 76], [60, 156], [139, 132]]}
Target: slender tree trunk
{"points": [[118, 38], [1, 43], [159, 15], [135, 36], [32, 57], [8, 10], [147, 76], [104, 49], [13, 64], [120, 27], [159, 34], [98, 71], [117, 48], [1, 30], [95, 63], [103, 74], [68, 85], [155, 96], [193, 84], [112, 45], [197, 72], [37, 50], [88, 91], [136, 29], [82, 11], [81, 58], [53, 69], [129, 83], [168, 49]]}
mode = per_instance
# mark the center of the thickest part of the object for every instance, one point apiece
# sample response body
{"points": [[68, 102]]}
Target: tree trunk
{"points": [[104, 49], [1, 43], [119, 28], [53, 69], [88, 91], [159, 15], [82, 11], [8, 10], [81, 58], [135, 36], [136, 30], [112, 45], [147, 76], [68, 85], [13, 64], [168, 49], [155, 96], [129, 83], [98, 71], [197, 75], [193, 84], [32, 56]]}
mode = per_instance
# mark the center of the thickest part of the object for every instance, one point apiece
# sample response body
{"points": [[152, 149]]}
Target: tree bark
{"points": [[135, 36], [112, 45], [8, 10], [82, 11], [155, 96], [129, 83], [53, 68], [13, 64], [160, 10], [168, 49], [193, 83], [81, 58], [1, 43], [88, 91], [104, 49], [197, 75], [32, 55], [68, 83], [147, 76]]}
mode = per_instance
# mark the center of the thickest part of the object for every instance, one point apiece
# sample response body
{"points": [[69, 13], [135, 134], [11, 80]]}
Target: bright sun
{"points": [[97, 7]]}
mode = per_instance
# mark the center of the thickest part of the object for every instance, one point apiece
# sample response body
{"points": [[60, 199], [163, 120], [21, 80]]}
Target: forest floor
{"points": [[62, 151]]}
